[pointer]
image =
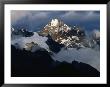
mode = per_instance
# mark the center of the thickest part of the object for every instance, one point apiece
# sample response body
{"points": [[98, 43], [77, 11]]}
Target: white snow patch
{"points": [[21, 42], [63, 41], [96, 34], [54, 22]]}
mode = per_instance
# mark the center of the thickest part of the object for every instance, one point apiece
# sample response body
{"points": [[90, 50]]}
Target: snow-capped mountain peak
{"points": [[54, 22], [55, 26], [61, 33]]}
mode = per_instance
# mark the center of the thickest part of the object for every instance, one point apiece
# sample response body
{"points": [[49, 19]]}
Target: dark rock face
{"points": [[40, 64], [53, 46]]}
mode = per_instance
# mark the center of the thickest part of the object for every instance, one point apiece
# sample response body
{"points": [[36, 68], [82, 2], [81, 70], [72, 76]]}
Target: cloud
{"points": [[85, 55], [96, 34], [38, 15], [21, 41], [67, 15], [16, 15], [81, 15], [31, 15], [35, 20]]}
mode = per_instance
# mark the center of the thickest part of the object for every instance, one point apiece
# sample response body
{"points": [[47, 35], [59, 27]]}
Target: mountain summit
{"points": [[62, 33], [54, 27]]}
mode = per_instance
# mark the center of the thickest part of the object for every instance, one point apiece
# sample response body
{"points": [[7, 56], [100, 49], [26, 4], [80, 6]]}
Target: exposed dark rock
{"points": [[25, 63], [53, 46]]}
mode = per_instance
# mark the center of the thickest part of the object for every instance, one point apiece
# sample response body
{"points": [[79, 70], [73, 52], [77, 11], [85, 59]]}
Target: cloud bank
{"points": [[85, 55], [81, 16], [21, 42], [35, 20], [70, 15]]}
